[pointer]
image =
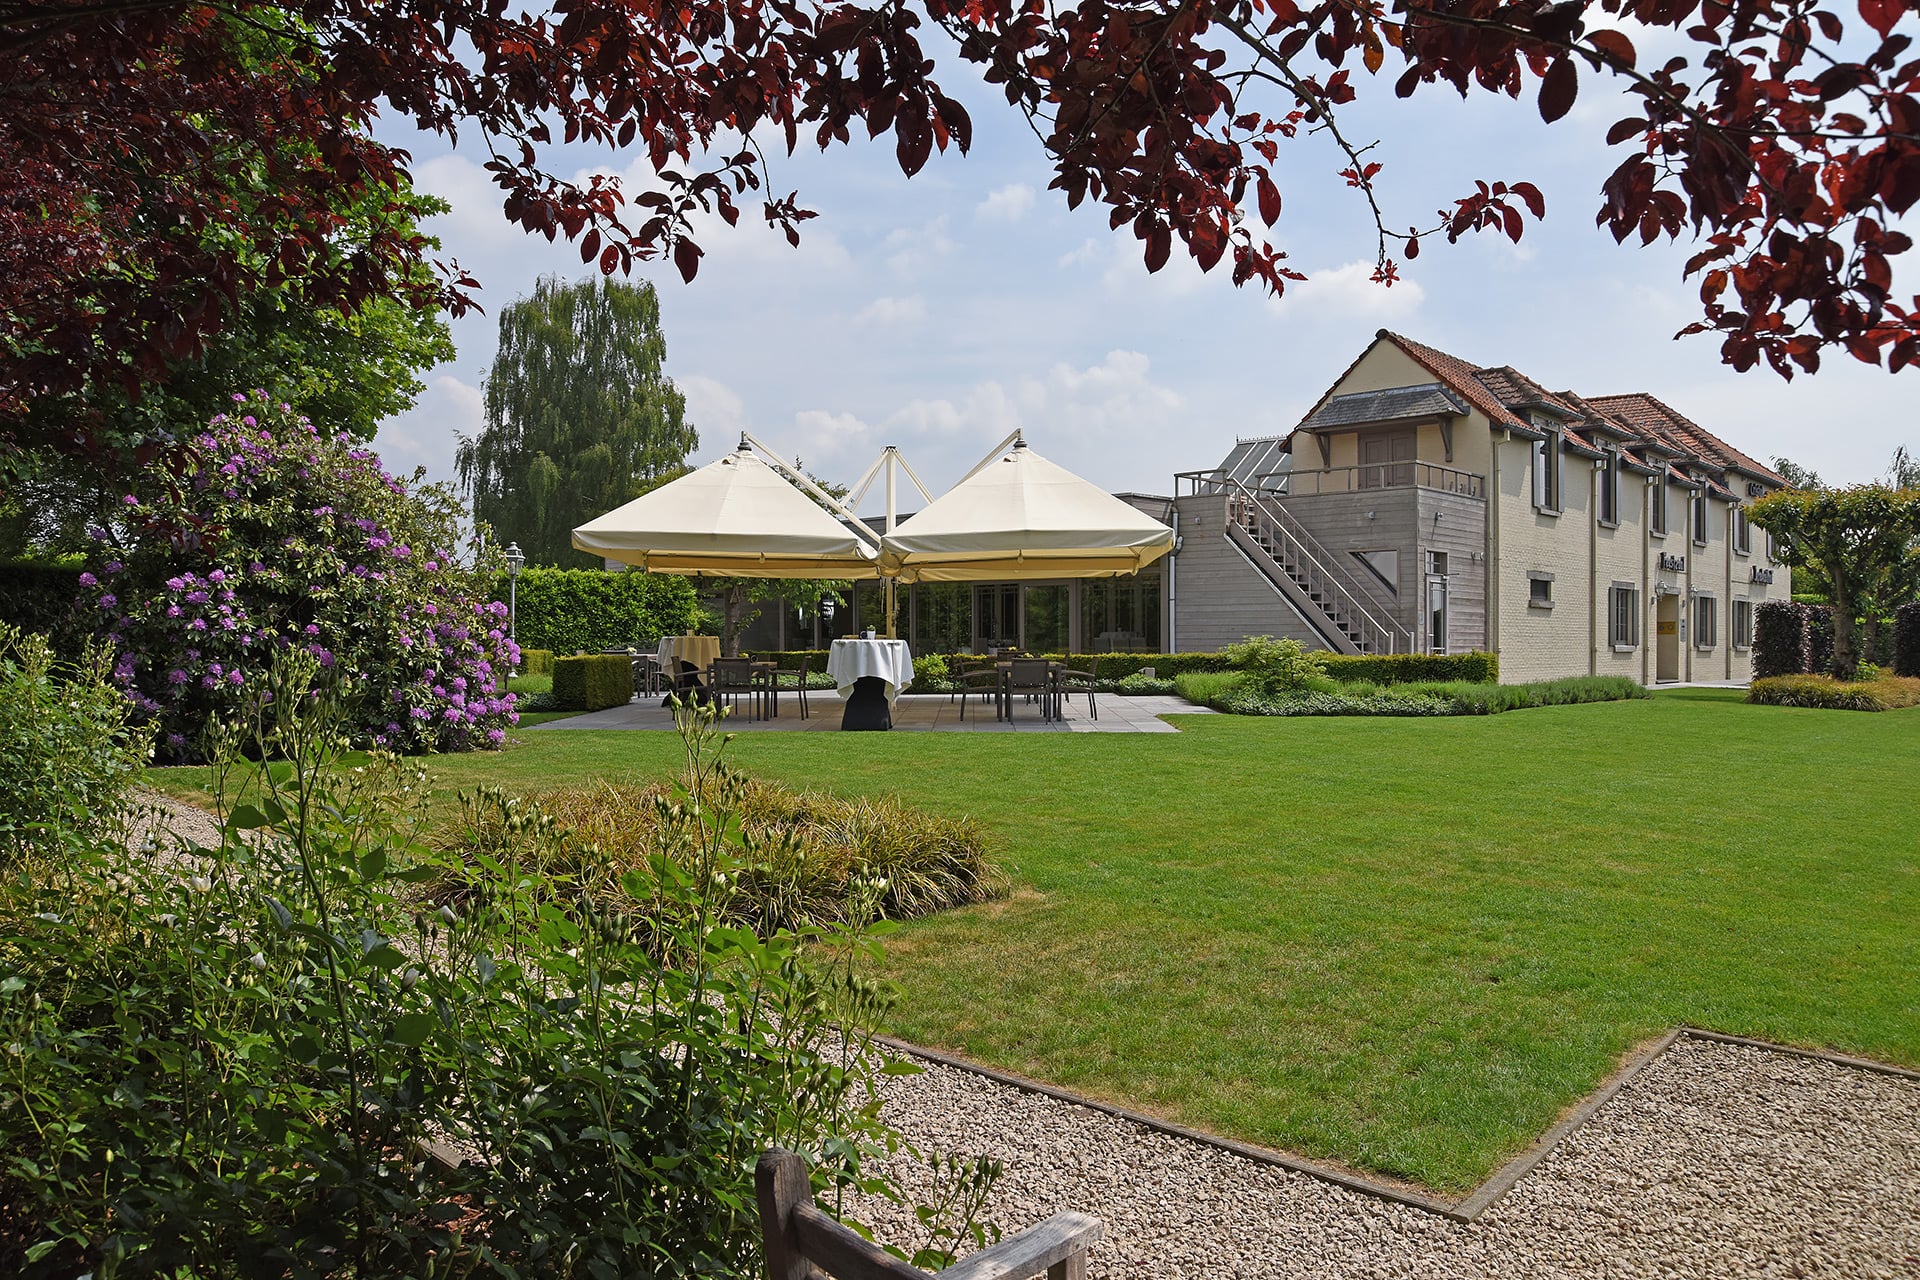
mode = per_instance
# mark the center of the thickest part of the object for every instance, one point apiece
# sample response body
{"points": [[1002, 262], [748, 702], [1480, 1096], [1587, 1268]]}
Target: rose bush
{"points": [[262, 533]]}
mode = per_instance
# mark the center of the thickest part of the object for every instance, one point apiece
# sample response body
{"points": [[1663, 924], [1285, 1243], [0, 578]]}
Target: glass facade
{"points": [[1119, 615]]}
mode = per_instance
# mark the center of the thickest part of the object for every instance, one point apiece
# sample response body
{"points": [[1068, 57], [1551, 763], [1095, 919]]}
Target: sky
{"points": [[940, 313]]}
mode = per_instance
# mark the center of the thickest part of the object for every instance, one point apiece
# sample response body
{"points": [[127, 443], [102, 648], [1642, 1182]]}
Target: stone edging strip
{"points": [[1474, 1203]]}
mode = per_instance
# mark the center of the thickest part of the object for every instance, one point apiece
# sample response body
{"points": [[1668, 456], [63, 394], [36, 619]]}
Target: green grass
{"points": [[1402, 944]]}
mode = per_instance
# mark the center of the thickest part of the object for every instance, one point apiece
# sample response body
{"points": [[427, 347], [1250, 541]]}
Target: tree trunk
{"points": [[1846, 652], [733, 604]]}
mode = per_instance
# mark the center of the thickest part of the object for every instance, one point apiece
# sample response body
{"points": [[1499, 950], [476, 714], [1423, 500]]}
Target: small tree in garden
{"points": [[1853, 542], [263, 534]]}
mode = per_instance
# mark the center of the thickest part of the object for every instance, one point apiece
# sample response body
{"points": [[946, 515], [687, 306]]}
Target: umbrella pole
{"points": [[893, 605]]}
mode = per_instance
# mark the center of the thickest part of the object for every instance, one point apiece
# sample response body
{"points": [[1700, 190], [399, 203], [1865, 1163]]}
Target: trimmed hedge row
{"points": [[1399, 668], [536, 662], [592, 681], [1782, 638], [1476, 667], [587, 610], [1906, 640]]}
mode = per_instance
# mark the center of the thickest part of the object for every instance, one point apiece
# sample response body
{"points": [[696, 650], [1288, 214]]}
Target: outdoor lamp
{"points": [[516, 561], [826, 609]]}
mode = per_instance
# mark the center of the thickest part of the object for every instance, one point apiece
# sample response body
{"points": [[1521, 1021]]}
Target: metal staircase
{"points": [[1335, 602]]}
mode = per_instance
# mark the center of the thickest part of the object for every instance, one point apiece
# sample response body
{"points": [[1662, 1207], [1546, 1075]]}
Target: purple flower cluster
{"points": [[272, 536]]}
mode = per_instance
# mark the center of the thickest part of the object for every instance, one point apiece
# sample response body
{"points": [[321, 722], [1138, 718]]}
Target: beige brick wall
{"points": [[1620, 555], [1542, 643]]}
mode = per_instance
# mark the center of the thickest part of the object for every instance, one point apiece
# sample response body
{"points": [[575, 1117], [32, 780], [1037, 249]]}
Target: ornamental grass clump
{"points": [[263, 535], [1882, 693], [811, 858]]}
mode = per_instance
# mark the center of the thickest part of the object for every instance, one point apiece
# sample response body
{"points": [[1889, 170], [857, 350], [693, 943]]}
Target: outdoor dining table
{"points": [[869, 674], [1003, 690], [700, 651]]}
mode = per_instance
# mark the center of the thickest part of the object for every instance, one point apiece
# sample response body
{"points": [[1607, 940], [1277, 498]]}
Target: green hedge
{"points": [[1476, 667], [587, 610], [536, 662], [1399, 668], [592, 681], [41, 598]]}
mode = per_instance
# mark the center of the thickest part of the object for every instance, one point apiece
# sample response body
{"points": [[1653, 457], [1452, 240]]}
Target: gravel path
{"points": [[1718, 1161]]}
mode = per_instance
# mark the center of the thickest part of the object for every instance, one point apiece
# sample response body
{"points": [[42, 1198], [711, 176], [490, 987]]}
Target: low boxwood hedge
{"points": [[536, 662], [1476, 667], [592, 681], [1398, 668]]}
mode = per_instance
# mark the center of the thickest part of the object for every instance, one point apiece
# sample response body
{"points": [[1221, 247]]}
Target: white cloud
{"points": [[427, 434], [1088, 251], [892, 313], [1349, 291], [716, 411], [912, 250], [1005, 204]]}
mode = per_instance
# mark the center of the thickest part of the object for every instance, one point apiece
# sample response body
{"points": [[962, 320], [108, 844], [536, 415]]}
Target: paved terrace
{"points": [[913, 712]]}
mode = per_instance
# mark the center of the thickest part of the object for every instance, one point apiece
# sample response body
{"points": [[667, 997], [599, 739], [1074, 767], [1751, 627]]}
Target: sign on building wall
{"points": [[1671, 563]]}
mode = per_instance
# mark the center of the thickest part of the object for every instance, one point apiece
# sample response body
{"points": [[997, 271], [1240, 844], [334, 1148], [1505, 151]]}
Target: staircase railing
{"points": [[1346, 601]]}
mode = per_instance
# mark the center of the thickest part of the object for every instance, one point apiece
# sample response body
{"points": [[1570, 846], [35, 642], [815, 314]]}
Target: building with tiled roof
{"points": [[1437, 505]]}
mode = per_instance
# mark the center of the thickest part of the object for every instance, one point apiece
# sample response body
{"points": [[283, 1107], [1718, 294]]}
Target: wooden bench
{"points": [[805, 1244]]}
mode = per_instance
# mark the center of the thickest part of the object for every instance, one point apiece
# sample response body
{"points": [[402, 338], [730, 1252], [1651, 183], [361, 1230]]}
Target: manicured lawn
{"points": [[1403, 944]]}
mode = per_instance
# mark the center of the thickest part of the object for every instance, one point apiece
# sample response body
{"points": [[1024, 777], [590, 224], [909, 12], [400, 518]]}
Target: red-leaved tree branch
{"points": [[166, 158]]}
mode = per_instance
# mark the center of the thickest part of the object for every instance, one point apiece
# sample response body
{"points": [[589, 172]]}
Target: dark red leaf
{"points": [[1269, 200], [686, 256], [1557, 90], [1615, 45], [1881, 15]]}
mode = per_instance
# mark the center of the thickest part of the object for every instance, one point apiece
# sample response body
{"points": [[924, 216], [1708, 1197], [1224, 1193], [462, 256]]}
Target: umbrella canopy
{"points": [[1021, 516], [735, 518]]}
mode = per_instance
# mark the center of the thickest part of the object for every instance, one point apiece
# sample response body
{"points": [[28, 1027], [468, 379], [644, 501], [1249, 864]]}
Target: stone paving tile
{"points": [[921, 713]]}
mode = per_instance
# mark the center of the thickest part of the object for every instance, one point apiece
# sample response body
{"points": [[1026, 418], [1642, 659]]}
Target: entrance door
{"points": [[1666, 654], [1386, 459], [1436, 615]]}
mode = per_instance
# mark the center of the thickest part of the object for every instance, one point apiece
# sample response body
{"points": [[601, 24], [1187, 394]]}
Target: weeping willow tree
{"points": [[580, 418]]}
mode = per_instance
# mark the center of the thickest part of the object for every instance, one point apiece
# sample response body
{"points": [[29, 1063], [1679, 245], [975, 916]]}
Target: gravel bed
{"points": [[1717, 1161]]}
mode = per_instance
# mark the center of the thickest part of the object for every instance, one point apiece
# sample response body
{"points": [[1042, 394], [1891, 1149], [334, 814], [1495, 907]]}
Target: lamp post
{"points": [[516, 561]]}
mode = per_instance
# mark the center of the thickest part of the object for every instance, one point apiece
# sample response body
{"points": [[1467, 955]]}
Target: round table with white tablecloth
{"points": [[869, 674], [699, 651]]}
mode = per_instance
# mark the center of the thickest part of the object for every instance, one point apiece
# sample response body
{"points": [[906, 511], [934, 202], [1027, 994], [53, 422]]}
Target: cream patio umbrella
{"points": [[1019, 516], [735, 518]]}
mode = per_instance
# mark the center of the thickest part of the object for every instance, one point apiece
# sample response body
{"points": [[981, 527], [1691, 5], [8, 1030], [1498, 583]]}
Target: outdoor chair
{"points": [[799, 681], [977, 677], [803, 1243], [689, 687], [647, 677], [1034, 678], [730, 678], [1068, 681]]}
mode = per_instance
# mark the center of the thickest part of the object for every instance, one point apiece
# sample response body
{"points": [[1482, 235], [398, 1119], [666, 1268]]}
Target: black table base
{"points": [[867, 705]]}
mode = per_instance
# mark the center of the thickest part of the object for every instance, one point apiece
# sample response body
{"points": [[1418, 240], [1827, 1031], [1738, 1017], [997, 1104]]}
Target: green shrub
{"points": [[1273, 666], [536, 662], [1137, 685], [67, 754], [1884, 693], [1906, 640], [590, 610], [1207, 688], [820, 859], [1237, 694], [1782, 638], [592, 681], [230, 1061], [1477, 667]]}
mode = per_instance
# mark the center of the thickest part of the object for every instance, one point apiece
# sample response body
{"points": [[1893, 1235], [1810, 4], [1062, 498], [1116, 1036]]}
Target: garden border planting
{"points": [[1467, 1208]]}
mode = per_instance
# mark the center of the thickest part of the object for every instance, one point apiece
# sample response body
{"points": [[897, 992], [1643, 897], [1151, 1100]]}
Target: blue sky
{"points": [[939, 313]]}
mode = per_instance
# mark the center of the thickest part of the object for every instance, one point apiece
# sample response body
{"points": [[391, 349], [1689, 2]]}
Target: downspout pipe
{"points": [[1593, 568], [1173, 583]]}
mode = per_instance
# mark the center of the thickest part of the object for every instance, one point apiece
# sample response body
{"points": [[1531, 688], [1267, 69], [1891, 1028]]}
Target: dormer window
{"points": [[1549, 473]]}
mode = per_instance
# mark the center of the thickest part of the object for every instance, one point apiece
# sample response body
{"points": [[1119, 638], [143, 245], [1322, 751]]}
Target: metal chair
{"points": [[800, 682], [983, 678], [1033, 677], [1064, 678], [648, 680], [729, 678]]}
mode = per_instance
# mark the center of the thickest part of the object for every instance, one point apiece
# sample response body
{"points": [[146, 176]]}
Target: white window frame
{"points": [[1549, 474], [1608, 512], [1706, 622], [1741, 621], [1624, 639]]}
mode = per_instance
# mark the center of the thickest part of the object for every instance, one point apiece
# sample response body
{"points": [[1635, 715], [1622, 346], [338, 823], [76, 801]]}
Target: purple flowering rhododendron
{"points": [[262, 534]]}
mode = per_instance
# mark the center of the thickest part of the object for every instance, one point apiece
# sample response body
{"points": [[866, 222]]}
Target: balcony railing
{"points": [[1375, 475]]}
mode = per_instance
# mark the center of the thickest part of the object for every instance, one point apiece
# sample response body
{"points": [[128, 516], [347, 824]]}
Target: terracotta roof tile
{"points": [[1668, 426], [1460, 376]]}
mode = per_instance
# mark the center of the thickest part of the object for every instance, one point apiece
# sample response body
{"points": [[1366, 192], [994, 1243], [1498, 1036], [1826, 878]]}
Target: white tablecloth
{"points": [[891, 660], [699, 650]]}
